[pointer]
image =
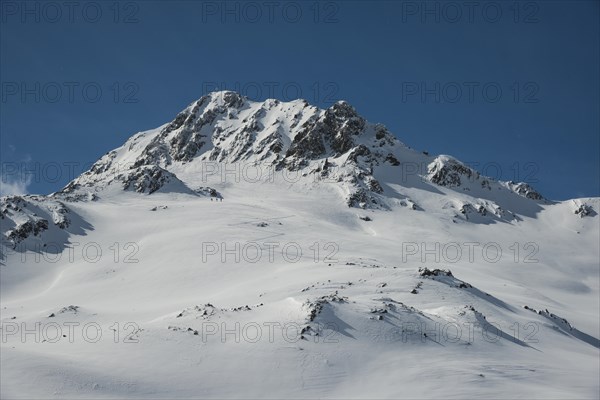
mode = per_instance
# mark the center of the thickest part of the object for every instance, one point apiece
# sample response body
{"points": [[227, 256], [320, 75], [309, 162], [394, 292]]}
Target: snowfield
{"points": [[173, 269]]}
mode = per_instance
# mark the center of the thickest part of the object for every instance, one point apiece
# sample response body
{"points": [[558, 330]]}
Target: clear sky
{"points": [[511, 88]]}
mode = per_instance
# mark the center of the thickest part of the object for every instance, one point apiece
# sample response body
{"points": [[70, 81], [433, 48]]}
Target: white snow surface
{"points": [[164, 305]]}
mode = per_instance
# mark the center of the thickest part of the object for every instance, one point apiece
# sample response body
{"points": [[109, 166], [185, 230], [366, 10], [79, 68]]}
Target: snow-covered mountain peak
{"points": [[368, 165]]}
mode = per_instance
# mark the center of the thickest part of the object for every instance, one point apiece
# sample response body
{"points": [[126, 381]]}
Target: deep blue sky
{"points": [[544, 56]]}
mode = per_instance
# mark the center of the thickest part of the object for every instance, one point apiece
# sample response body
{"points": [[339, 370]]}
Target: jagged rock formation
{"points": [[585, 210], [146, 179], [29, 216]]}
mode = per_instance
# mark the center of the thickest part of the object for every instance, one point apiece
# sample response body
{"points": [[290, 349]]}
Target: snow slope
{"points": [[175, 270]]}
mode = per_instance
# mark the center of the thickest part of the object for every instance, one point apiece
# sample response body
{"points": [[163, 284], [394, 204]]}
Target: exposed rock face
{"points": [[146, 179], [11, 204], [208, 191], [33, 226], [340, 125], [390, 158], [585, 210], [435, 272], [59, 215], [307, 145], [29, 216], [525, 190], [335, 128], [448, 172]]}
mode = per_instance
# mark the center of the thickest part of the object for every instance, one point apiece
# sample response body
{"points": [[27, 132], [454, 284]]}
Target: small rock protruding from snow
{"points": [[435, 272], [585, 210]]}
